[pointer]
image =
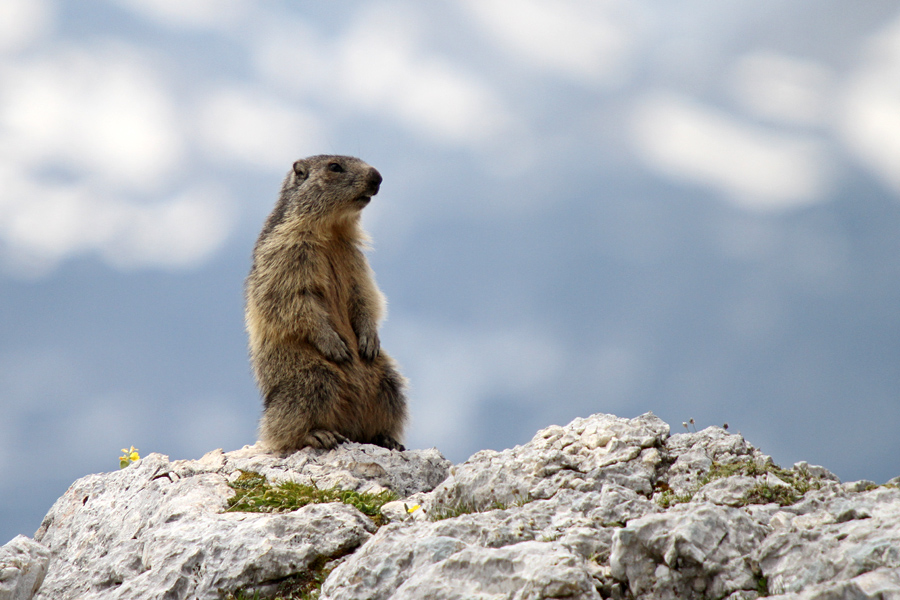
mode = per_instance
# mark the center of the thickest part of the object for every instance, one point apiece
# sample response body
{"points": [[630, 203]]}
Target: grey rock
{"points": [[842, 537], [692, 454], [816, 471], [880, 584], [158, 528], [529, 570], [690, 551], [859, 486], [23, 565], [577, 512], [730, 491], [569, 525], [351, 466], [581, 456]]}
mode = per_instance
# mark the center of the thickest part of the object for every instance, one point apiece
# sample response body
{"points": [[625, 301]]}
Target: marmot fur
{"points": [[312, 315]]}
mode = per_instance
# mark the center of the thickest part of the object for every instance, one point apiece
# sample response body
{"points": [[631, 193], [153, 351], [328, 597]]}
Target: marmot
{"points": [[312, 315]]}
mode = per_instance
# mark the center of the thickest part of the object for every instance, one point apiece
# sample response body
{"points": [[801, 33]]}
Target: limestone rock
{"points": [[842, 537], [603, 507], [689, 551], [581, 456], [23, 565], [573, 529], [158, 528]]}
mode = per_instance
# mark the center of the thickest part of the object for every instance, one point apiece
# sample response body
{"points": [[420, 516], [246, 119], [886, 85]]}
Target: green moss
{"points": [[762, 586], [254, 493], [798, 483], [767, 494], [669, 498]]}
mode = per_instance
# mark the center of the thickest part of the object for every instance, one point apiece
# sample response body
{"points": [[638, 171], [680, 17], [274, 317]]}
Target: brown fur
{"points": [[312, 315]]}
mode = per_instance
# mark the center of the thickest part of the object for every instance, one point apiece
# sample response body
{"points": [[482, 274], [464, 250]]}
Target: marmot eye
{"points": [[335, 168]]}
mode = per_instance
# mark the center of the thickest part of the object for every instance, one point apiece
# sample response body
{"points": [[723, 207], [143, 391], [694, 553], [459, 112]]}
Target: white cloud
{"points": [[782, 88], [195, 13], [588, 40], [91, 146], [22, 22], [101, 112], [753, 167], [42, 224], [181, 232], [870, 123], [382, 69], [257, 130], [378, 65]]}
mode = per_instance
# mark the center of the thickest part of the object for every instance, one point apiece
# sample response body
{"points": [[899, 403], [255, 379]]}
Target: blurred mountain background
{"points": [[686, 207]]}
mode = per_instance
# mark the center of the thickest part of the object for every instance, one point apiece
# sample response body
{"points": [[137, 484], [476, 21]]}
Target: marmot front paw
{"points": [[333, 347], [369, 344]]}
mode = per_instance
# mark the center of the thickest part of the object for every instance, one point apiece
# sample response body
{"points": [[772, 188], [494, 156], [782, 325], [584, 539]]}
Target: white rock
{"points": [[581, 456], [839, 541], [730, 491], [692, 454], [693, 549], [158, 528], [531, 570], [881, 584], [23, 565], [574, 513]]}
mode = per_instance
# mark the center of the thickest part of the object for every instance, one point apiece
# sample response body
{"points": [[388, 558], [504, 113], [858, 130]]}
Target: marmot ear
{"points": [[300, 170]]}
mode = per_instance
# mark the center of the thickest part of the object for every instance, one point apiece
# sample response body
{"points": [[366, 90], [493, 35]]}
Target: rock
{"points": [[23, 565], [158, 528], [525, 570], [692, 550], [581, 456], [603, 507], [692, 455], [881, 584], [838, 537], [730, 491], [574, 528]]}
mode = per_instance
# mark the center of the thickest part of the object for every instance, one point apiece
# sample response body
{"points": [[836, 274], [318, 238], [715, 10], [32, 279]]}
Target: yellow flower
{"points": [[128, 457], [413, 509]]}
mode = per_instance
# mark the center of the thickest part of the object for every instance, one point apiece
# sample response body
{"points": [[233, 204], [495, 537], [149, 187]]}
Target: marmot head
{"points": [[326, 188]]}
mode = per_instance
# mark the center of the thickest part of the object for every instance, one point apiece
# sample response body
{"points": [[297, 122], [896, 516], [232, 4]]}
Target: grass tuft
{"points": [[254, 493], [798, 481]]}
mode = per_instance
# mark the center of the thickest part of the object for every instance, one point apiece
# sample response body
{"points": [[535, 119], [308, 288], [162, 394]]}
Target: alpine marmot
{"points": [[312, 315]]}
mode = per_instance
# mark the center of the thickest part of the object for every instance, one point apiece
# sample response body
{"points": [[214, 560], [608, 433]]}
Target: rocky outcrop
{"points": [[604, 507], [23, 565]]}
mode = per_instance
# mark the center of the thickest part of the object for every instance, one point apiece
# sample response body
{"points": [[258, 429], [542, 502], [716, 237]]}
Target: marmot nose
{"points": [[374, 181]]}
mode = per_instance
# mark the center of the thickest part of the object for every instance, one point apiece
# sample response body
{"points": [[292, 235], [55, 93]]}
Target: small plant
{"points": [[128, 457], [305, 585], [762, 586], [439, 513], [798, 481], [669, 498], [254, 493]]}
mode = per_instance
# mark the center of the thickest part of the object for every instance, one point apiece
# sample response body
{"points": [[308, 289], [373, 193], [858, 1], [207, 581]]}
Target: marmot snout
{"points": [[312, 315]]}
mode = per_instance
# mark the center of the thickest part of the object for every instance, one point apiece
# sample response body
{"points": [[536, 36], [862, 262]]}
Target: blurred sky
{"points": [[685, 207]]}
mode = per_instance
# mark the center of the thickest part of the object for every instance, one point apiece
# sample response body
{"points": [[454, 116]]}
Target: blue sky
{"points": [[588, 206]]}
